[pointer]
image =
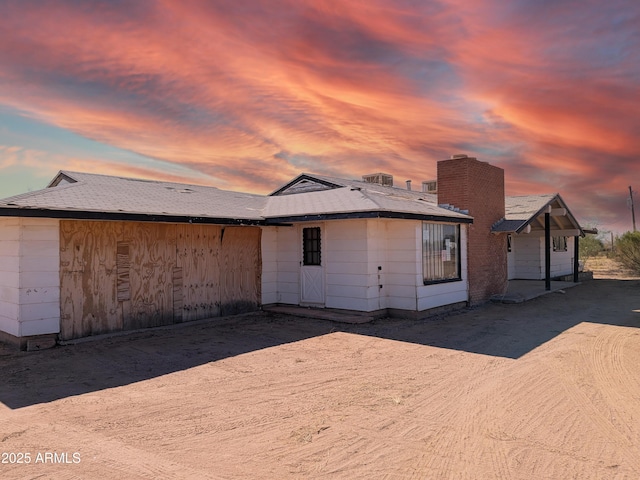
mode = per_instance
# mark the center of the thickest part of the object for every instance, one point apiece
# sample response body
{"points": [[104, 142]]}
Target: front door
{"points": [[311, 269]]}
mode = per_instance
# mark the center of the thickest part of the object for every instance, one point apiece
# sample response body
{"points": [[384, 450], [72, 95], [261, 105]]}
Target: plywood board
{"points": [[88, 301], [197, 255], [130, 275], [123, 264], [211, 253], [152, 260], [178, 295], [240, 270]]}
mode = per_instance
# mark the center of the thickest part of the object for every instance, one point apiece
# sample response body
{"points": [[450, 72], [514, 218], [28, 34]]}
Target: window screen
{"points": [[440, 252]]}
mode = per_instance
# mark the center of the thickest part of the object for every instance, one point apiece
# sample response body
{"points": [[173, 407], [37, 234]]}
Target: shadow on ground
{"points": [[507, 331], [511, 331]]}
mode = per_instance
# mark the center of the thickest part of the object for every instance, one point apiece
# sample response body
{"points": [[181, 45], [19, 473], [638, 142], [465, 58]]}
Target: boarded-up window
{"points": [[440, 252], [311, 246], [128, 275]]}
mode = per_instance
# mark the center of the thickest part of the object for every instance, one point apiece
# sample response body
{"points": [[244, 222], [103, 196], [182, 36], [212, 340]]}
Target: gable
{"points": [[527, 213], [61, 178], [305, 184]]}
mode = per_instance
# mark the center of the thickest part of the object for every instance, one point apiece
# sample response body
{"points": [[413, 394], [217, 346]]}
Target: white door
{"points": [[311, 268]]}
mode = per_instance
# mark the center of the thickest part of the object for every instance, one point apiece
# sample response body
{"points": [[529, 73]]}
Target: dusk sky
{"points": [[245, 95]]}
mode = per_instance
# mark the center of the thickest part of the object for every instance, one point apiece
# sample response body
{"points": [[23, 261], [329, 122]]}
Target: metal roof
{"points": [[354, 200], [527, 210], [86, 195], [121, 195]]}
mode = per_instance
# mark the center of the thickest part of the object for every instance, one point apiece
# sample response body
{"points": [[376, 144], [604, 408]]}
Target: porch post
{"points": [[547, 252], [576, 264]]}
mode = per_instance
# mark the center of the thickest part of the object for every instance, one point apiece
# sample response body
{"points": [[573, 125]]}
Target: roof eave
{"points": [[124, 216], [570, 215], [366, 214]]}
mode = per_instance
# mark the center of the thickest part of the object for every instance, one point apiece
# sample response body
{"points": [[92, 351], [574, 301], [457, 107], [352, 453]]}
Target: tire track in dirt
{"points": [[99, 454], [459, 405], [507, 424], [594, 423], [614, 382], [533, 430]]}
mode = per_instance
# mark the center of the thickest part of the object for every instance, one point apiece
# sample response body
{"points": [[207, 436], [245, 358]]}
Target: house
{"points": [[92, 254]]}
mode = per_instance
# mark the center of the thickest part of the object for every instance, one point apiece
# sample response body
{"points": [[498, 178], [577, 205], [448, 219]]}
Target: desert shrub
{"points": [[590, 246], [628, 250]]}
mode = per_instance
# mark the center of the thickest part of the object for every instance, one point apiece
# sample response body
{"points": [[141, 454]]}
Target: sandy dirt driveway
{"points": [[548, 389]]}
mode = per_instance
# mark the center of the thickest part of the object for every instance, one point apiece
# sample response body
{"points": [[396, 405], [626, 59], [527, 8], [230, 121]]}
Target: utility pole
{"points": [[612, 247], [633, 213]]}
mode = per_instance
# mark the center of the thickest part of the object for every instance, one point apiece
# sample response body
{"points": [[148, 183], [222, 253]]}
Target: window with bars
{"points": [[559, 244], [311, 246], [440, 252]]}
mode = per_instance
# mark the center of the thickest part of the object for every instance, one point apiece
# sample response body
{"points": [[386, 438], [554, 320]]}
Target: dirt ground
{"points": [[547, 389], [604, 267]]}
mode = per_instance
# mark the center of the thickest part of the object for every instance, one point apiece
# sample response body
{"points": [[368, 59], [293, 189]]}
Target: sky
{"points": [[246, 95]]}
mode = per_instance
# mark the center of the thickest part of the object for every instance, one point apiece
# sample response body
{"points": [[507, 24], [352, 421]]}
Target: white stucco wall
{"points": [[403, 263], [527, 259], [29, 276], [528, 254], [511, 259], [280, 265], [9, 275], [350, 280], [561, 262], [269, 245], [358, 256]]}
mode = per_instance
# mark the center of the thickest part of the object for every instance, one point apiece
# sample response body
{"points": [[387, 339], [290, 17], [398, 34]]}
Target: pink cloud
{"points": [[250, 94]]}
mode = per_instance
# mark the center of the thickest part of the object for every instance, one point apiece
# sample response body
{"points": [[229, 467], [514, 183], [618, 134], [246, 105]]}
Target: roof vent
{"points": [[180, 190], [430, 186], [379, 178], [408, 184], [459, 155]]}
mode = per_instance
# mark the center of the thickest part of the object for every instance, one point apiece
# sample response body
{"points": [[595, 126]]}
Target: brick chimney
{"points": [[469, 184]]}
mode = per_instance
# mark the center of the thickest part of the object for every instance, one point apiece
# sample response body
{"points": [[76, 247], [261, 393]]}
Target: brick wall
{"points": [[476, 186]]}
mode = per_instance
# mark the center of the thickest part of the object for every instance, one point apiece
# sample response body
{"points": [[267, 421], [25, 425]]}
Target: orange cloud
{"points": [[248, 94]]}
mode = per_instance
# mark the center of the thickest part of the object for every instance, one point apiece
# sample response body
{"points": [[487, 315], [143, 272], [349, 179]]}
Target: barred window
{"points": [[440, 252], [311, 246], [559, 244]]}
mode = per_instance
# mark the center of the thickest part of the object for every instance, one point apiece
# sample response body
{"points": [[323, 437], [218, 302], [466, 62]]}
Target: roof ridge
{"points": [[533, 195], [40, 191], [135, 179]]}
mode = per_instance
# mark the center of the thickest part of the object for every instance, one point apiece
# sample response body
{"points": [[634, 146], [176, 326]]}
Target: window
{"points": [[509, 240], [311, 246], [440, 252], [559, 244]]}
